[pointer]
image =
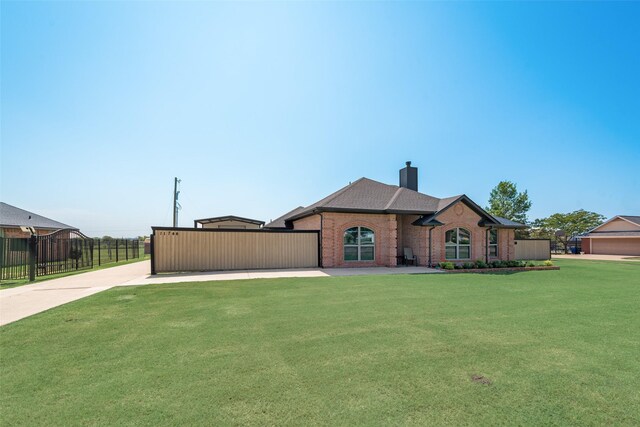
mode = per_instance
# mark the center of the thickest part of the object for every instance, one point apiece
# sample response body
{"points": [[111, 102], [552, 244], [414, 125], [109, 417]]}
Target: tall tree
{"points": [[505, 201], [565, 227]]}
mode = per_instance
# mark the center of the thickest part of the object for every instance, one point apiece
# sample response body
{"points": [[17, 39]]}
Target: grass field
{"points": [[547, 348], [12, 283]]}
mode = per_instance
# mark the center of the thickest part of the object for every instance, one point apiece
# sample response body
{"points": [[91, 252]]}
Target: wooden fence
{"points": [[202, 249], [533, 249]]}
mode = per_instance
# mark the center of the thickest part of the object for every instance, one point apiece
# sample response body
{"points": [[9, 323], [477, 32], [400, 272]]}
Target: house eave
{"points": [[358, 211]]}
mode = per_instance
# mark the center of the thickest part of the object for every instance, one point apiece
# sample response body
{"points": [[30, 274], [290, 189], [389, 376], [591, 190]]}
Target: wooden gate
{"points": [[202, 249], [533, 249]]}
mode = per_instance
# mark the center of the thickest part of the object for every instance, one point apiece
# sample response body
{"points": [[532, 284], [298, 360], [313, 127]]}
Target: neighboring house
{"points": [[12, 218], [368, 223], [229, 222], [618, 236]]}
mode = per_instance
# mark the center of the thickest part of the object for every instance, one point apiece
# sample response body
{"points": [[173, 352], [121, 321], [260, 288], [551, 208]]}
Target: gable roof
{"points": [[368, 196], [228, 218], [633, 219], [279, 222], [11, 216], [629, 233]]}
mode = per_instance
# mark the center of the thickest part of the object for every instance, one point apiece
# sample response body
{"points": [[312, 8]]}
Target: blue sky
{"points": [[261, 107]]}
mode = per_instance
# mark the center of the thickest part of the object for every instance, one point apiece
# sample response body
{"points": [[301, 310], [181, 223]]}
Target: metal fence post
{"points": [[99, 256], [33, 254], [126, 249], [152, 250], [116, 250]]}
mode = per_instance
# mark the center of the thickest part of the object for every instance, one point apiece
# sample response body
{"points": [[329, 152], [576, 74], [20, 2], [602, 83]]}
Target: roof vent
{"points": [[409, 177]]}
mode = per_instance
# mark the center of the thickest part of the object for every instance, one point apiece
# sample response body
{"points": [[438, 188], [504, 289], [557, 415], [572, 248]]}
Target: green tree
{"points": [[505, 201], [565, 227]]}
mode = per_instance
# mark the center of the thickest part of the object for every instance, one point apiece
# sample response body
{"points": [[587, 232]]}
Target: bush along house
{"points": [[368, 223]]}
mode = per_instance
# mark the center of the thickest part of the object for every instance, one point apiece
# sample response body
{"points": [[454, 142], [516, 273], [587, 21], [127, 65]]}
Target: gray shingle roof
{"points": [[11, 216], [279, 222], [369, 196], [613, 234], [633, 218], [507, 222]]}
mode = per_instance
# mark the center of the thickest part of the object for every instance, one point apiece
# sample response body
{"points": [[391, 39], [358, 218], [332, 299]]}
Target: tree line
{"points": [[507, 202]]}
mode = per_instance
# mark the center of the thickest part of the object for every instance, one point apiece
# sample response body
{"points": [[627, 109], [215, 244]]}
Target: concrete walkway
{"points": [[23, 301], [593, 257]]}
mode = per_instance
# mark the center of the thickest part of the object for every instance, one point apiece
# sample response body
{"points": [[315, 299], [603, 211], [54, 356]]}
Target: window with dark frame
{"points": [[359, 244], [457, 244], [493, 243]]}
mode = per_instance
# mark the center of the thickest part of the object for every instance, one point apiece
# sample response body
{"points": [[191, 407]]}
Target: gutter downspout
{"points": [[486, 244], [320, 260], [430, 230]]}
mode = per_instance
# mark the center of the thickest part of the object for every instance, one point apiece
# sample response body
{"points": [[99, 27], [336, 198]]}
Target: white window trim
{"points": [[359, 245], [457, 245]]}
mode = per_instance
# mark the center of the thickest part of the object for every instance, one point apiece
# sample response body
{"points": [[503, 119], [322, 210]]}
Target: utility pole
{"points": [[176, 205]]}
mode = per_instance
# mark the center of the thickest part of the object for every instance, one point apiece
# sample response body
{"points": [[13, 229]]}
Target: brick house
{"points": [[368, 223], [12, 218]]}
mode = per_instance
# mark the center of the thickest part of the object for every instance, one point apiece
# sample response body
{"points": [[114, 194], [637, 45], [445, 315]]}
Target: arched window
{"points": [[359, 244], [457, 243]]}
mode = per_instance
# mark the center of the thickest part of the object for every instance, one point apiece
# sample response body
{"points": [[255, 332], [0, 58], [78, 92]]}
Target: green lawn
{"points": [[558, 347], [12, 283]]}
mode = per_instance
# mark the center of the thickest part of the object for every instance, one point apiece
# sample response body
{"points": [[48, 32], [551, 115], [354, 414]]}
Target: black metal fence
{"points": [[60, 252], [116, 250], [573, 246]]}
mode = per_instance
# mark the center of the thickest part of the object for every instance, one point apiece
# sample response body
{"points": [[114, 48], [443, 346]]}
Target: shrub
{"points": [[514, 263], [480, 264], [458, 266], [467, 265], [497, 264], [446, 265], [531, 264], [548, 263]]}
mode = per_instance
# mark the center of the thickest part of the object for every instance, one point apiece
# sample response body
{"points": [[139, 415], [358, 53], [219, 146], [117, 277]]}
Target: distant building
{"points": [[12, 218], [618, 236], [229, 222]]}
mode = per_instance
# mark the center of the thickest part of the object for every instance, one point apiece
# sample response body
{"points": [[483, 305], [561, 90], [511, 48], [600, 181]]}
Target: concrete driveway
{"points": [[23, 301], [593, 257], [271, 274]]}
